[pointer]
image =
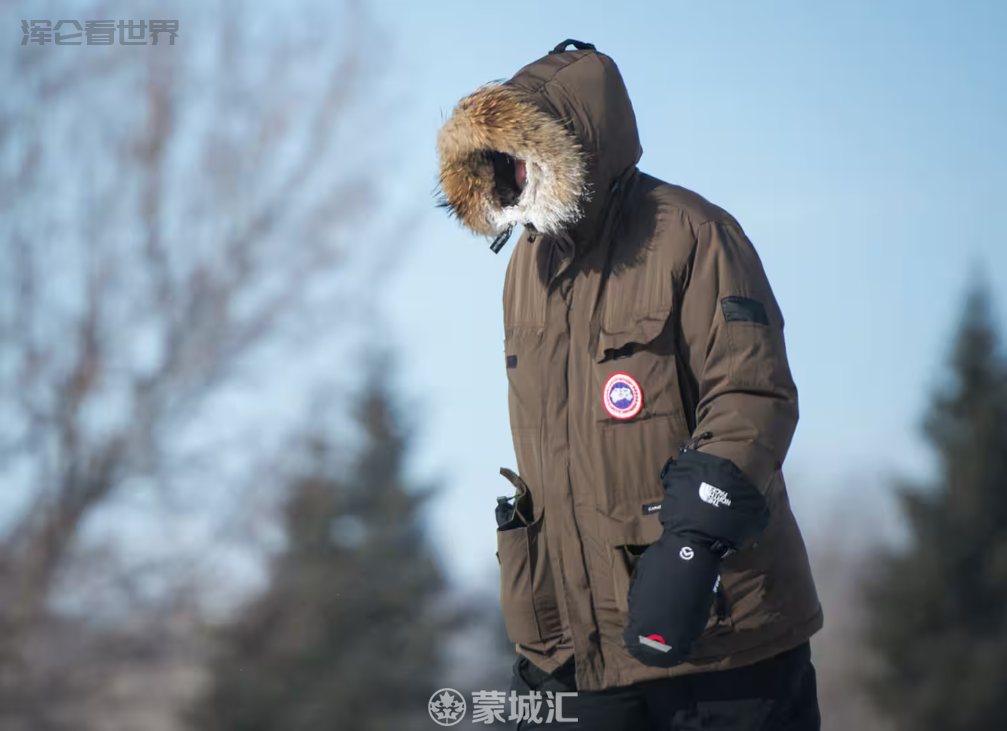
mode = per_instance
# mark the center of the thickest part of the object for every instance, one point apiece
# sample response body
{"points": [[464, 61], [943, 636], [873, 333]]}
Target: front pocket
{"points": [[628, 539], [524, 314], [526, 392], [624, 561], [637, 360], [630, 457]]}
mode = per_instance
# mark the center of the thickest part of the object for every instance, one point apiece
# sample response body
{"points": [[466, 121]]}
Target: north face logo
{"points": [[713, 495]]}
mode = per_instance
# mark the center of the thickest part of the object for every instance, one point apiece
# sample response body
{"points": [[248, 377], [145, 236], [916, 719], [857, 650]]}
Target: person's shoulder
{"points": [[678, 206], [663, 223]]}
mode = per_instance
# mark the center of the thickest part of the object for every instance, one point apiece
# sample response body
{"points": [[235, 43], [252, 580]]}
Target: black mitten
{"points": [[669, 600], [709, 499], [710, 510]]}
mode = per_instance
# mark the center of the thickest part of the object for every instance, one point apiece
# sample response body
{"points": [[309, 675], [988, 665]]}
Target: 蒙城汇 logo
{"points": [[447, 707]]}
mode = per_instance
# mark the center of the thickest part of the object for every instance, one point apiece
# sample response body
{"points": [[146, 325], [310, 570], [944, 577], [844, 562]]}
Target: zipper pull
{"points": [[685, 447], [692, 443], [720, 600]]}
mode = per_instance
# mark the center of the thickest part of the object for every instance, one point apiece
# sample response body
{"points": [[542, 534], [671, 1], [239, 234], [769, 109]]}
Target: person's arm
{"points": [[732, 332]]}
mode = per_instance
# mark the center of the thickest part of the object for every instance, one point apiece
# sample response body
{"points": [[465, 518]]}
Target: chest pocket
{"points": [[526, 394], [636, 369], [524, 306]]}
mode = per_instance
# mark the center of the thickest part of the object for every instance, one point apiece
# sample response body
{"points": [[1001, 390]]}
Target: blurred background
{"points": [[252, 394]]}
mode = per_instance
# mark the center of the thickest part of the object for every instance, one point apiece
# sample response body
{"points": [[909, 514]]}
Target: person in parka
{"points": [[649, 558]]}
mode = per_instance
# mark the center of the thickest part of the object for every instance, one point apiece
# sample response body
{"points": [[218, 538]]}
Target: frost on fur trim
{"points": [[498, 119]]}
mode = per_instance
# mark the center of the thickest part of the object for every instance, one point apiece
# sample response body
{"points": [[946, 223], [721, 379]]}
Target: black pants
{"points": [[778, 694]]}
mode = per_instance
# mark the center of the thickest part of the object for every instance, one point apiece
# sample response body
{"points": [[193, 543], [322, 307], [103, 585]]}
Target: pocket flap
{"points": [[524, 509], [513, 478], [639, 333], [640, 530], [619, 329]]}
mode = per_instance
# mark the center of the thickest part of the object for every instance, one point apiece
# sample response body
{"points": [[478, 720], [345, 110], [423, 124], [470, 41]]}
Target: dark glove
{"points": [[669, 600], [710, 510], [709, 499]]}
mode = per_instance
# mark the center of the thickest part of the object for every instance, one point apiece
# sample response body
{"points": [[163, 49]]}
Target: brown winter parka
{"points": [[618, 274]]}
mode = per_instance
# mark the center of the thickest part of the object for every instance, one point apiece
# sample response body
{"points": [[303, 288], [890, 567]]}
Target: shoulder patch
{"points": [[743, 309]]}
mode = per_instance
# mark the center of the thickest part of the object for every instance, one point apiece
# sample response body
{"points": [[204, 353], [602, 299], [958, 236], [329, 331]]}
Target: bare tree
{"points": [[174, 225]]}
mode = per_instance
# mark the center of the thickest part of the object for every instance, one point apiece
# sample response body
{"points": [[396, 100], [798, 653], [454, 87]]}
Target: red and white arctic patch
{"points": [[622, 396]]}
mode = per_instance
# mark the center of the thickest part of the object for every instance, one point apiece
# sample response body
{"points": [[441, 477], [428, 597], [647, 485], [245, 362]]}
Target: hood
{"points": [[569, 118]]}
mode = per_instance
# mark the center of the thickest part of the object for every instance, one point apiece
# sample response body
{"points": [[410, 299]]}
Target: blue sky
{"points": [[860, 144]]}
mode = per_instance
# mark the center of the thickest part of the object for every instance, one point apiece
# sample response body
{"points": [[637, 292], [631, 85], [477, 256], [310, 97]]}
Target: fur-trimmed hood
{"points": [[568, 117]]}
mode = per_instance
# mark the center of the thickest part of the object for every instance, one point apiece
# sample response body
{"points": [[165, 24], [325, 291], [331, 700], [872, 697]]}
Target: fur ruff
{"points": [[498, 118]]}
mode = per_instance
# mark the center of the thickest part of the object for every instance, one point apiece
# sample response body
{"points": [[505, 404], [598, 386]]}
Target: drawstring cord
{"points": [[501, 239]]}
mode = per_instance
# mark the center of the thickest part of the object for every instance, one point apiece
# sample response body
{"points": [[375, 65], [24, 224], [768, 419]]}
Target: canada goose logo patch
{"points": [[622, 396]]}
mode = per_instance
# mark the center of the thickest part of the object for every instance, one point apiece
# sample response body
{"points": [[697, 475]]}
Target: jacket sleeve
{"points": [[732, 333]]}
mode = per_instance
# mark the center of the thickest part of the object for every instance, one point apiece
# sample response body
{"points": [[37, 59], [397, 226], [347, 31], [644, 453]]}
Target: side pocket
{"points": [[516, 600], [527, 591]]}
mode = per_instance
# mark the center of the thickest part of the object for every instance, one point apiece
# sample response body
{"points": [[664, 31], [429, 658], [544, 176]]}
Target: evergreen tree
{"points": [[346, 636], [937, 607]]}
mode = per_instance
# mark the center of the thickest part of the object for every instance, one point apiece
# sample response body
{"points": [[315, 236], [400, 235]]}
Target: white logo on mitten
{"points": [[713, 495]]}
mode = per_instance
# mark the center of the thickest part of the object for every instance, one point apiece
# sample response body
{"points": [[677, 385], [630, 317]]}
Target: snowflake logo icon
{"points": [[447, 707]]}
